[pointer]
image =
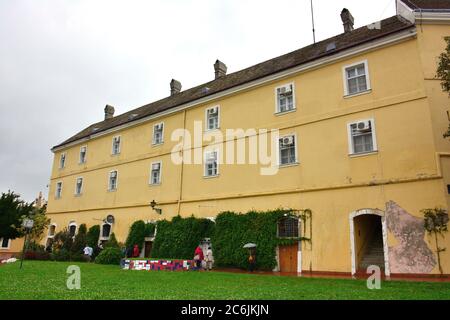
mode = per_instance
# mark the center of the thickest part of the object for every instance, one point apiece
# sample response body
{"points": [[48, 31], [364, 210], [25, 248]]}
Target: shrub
{"points": [[80, 240], [112, 242], [233, 231], [109, 255], [60, 255], [136, 235], [63, 240], [179, 237], [92, 236], [36, 251]]}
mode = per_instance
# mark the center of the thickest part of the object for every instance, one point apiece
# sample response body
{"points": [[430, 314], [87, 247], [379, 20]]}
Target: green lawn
{"points": [[47, 280]]}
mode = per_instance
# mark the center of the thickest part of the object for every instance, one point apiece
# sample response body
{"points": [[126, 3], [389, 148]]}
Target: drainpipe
{"points": [[180, 193]]}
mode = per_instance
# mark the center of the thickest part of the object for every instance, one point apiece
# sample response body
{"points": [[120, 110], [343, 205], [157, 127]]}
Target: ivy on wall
{"points": [[179, 237], [139, 230], [233, 231]]}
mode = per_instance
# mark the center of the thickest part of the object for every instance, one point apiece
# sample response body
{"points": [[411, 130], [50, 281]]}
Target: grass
{"points": [[47, 280]]}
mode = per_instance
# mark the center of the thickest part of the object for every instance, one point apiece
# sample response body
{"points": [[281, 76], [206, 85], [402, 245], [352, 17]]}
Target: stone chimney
{"points": [[347, 20], [220, 69], [109, 112], [175, 87]]}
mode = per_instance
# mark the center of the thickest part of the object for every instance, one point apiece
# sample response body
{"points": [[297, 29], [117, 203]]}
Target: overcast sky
{"points": [[62, 61]]}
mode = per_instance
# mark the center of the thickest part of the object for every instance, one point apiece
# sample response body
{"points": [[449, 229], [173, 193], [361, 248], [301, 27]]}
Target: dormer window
{"points": [[116, 145], [285, 98], [212, 118], [158, 133]]}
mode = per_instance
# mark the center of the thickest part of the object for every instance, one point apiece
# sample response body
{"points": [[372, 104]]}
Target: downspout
{"points": [[180, 193]]}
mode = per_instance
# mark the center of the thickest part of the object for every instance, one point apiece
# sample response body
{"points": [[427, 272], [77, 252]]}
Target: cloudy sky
{"points": [[62, 61]]}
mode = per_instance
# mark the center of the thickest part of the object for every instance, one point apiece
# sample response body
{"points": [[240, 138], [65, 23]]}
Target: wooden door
{"points": [[148, 248], [288, 258]]}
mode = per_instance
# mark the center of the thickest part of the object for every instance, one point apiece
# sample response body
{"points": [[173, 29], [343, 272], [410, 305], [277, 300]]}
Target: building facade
{"points": [[360, 118]]}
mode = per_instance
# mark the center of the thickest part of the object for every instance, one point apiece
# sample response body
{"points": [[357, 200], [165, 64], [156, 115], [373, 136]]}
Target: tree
{"points": [[435, 222], [443, 73], [40, 223], [79, 243], [12, 211]]}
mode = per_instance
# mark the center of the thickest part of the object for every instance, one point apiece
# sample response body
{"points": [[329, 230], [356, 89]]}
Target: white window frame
{"points": [[101, 237], [5, 248], [51, 236], [294, 134], [109, 180], [85, 155], [73, 223], [120, 145], [205, 156], [351, 148], [344, 74], [56, 190], [206, 118], [154, 143], [277, 107], [76, 186], [62, 165], [160, 174]]}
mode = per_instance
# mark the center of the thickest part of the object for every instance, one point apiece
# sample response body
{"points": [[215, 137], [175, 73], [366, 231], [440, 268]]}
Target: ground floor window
{"points": [[4, 243], [288, 227]]}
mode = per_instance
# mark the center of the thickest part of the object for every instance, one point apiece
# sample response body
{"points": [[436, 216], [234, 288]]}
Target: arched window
{"points": [[72, 229], [106, 231], [288, 227]]}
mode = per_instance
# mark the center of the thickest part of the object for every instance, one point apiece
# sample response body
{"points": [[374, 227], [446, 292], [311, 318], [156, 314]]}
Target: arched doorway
{"points": [[368, 240]]}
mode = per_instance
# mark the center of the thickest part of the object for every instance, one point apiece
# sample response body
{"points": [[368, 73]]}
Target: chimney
{"points": [[175, 87], [347, 20], [109, 112], [220, 69]]}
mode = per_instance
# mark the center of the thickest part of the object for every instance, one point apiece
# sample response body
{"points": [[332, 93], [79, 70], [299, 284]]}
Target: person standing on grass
{"points": [[88, 253], [198, 257], [251, 260], [208, 259]]}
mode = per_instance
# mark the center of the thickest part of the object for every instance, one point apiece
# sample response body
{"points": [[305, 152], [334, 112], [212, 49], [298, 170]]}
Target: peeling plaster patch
{"points": [[412, 254]]}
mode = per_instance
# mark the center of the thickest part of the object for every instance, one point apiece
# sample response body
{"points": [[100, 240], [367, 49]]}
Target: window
{"points": [[4, 243], [58, 191], [211, 164], [112, 181], [83, 151], [158, 133], [285, 98], [356, 78], [62, 161], [212, 118], [79, 186], [288, 154], [51, 230], [155, 174], [288, 227], [106, 231], [72, 229], [362, 137], [116, 145]]}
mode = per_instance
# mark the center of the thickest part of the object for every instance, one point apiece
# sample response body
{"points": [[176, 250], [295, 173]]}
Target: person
{"points": [[129, 253], [251, 260], [198, 257], [88, 253], [208, 259], [135, 251]]}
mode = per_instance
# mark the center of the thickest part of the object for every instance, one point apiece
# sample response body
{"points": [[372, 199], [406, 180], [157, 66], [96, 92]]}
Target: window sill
{"points": [[211, 130], [81, 163], [211, 177], [287, 165], [57, 198], [115, 154], [280, 113], [154, 184], [157, 144], [362, 154], [113, 190], [357, 94], [78, 195]]}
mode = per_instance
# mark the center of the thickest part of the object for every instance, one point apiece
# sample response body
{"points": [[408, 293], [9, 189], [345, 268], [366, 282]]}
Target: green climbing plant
{"points": [[436, 223]]}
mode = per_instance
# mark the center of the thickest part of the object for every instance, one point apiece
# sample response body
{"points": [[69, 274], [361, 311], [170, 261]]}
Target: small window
{"points": [[106, 231], [158, 133], [356, 78], [58, 191], [62, 161], [285, 98], [112, 181], [4, 243], [72, 229], [288, 227], [83, 151], [211, 164], [288, 154], [155, 174], [212, 118], [362, 137], [79, 186], [51, 230], [116, 145]]}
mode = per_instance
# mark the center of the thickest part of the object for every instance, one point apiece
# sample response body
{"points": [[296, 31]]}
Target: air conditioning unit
{"points": [[286, 89], [287, 141], [158, 127], [156, 166], [211, 156], [363, 126], [213, 110]]}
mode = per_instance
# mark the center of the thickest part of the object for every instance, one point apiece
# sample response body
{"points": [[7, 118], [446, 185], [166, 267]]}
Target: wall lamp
{"points": [[153, 204]]}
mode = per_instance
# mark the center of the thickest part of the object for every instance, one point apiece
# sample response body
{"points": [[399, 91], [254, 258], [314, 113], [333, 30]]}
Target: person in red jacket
{"points": [[198, 257], [135, 251]]}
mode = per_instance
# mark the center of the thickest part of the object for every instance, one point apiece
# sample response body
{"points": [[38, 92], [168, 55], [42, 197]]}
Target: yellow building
{"points": [[360, 119]]}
